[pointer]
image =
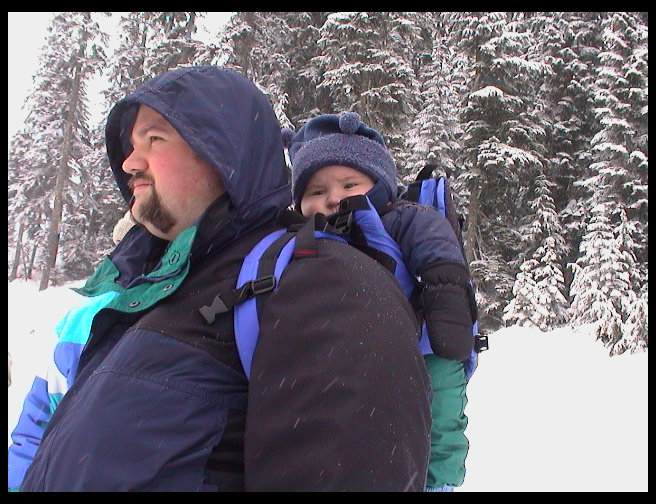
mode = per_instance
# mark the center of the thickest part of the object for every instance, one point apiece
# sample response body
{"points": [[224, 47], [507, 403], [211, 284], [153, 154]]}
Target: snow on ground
{"points": [[547, 411], [553, 412]]}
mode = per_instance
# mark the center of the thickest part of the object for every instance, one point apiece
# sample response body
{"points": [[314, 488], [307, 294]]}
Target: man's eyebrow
{"points": [[155, 125]]}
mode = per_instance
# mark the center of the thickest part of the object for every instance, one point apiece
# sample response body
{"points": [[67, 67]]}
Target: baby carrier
{"points": [[356, 223]]}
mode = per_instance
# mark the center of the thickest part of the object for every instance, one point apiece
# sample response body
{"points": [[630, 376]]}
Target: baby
{"points": [[334, 157]]}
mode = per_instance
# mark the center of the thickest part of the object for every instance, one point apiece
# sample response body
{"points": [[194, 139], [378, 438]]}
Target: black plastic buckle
{"points": [[210, 312], [223, 304], [343, 223], [480, 343]]}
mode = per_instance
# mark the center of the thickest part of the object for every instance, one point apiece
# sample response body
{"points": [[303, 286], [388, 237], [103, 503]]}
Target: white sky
{"points": [[26, 32]]}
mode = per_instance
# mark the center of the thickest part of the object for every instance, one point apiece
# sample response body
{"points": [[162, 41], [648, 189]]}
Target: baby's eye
{"points": [[317, 192], [350, 185]]}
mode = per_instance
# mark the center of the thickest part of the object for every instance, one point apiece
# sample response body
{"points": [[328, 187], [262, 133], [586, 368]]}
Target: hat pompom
{"points": [[349, 122], [287, 135]]}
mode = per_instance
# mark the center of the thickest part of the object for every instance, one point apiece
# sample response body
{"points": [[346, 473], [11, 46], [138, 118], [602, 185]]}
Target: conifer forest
{"points": [[538, 118]]}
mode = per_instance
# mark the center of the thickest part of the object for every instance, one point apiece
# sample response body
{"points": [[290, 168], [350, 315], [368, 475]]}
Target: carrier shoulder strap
{"points": [[264, 265], [257, 271], [367, 232], [435, 192]]}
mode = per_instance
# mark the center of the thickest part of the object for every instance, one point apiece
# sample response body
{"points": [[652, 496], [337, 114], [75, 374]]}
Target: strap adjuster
{"points": [[261, 285]]}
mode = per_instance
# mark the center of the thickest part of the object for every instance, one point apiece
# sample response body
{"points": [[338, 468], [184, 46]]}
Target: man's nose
{"points": [[134, 163]]}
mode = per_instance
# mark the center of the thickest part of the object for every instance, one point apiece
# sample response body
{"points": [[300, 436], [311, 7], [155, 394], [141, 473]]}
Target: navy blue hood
{"points": [[227, 121]]}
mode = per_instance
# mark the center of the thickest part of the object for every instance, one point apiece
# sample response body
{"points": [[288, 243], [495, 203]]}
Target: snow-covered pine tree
{"points": [[620, 150], [434, 135], [58, 129], [503, 144], [104, 207], [523, 308], [634, 301], [303, 99], [125, 70], [272, 49], [617, 176], [601, 290], [365, 67], [569, 43], [494, 285], [149, 44], [170, 42], [274, 68], [614, 144], [28, 202], [635, 330], [539, 290], [236, 41]]}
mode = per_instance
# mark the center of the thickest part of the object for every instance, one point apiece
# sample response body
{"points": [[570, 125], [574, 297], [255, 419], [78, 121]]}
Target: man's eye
{"points": [[154, 138]]}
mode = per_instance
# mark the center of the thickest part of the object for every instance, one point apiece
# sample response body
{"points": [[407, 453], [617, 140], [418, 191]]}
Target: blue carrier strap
{"points": [[246, 320], [432, 194], [376, 236], [479, 346], [435, 192]]}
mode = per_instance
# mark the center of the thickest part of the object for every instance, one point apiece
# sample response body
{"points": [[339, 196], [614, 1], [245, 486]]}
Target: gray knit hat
{"points": [[344, 140]]}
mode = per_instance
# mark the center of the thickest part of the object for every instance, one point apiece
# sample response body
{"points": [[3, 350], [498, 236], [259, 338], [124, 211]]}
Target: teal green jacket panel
{"points": [[449, 445]]}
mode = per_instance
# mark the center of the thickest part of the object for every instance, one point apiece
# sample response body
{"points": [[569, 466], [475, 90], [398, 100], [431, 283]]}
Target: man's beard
{"points": [[152, 211]]}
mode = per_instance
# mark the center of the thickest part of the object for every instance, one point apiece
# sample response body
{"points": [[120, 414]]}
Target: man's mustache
{"points": [[138, 178], [133, 180]]}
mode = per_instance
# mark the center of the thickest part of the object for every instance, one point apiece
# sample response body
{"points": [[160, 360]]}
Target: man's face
{"points": [[171, 185]]}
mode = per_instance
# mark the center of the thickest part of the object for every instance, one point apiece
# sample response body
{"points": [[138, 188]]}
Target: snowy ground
{"points": [[553, 412], [547, 411]]}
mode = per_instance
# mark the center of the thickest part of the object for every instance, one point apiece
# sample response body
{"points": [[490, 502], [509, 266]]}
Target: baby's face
{"points": [[331, 184]]}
